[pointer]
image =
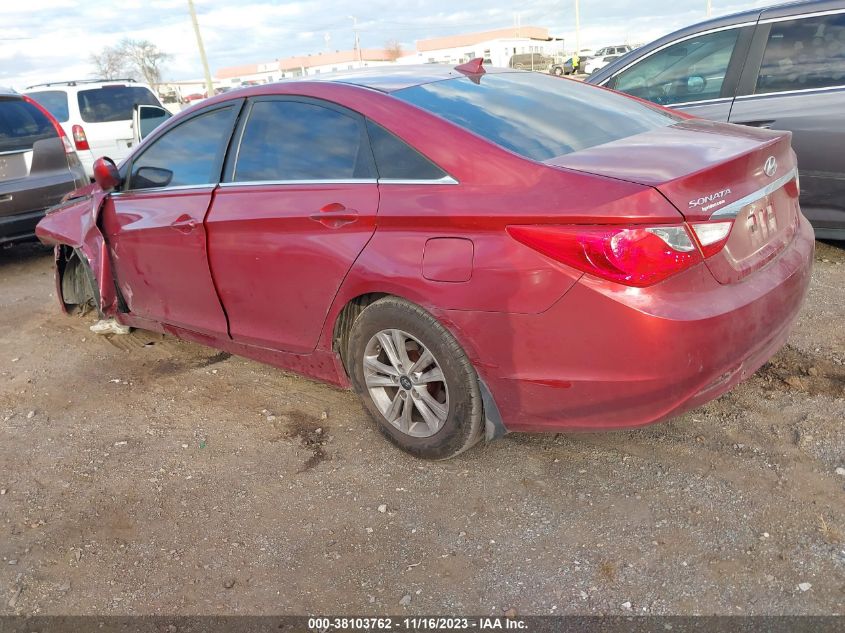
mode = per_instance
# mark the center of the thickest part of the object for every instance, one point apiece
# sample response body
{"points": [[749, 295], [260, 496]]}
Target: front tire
{"points": [[414, 379]]}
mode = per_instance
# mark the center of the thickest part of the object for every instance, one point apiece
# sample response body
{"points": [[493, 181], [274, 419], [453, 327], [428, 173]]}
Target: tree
{"points": [[393, 49], [138, 59]]}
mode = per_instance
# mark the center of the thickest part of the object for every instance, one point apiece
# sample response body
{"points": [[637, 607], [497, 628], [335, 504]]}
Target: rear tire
{"points": [[414, 379]]}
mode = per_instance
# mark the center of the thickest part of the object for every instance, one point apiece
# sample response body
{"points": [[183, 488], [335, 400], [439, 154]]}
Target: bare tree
{"points": [[139, 59], [110, 63], [393, 49]]}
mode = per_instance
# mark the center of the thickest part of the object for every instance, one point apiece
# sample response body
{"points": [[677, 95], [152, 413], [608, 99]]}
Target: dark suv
{"points": [[779, 67], [37, 165]]}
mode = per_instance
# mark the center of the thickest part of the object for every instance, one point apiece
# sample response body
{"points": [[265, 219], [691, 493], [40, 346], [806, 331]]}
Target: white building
{"points": [[497, 46]]}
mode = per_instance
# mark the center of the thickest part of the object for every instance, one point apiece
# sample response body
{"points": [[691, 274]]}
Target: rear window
{"points": [[112, 103], [22, 125], [54, 101], [536, 116]]}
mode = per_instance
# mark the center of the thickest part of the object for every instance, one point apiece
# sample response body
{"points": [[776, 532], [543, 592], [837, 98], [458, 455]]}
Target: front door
{"points": [[154, 226], [296, 210]]}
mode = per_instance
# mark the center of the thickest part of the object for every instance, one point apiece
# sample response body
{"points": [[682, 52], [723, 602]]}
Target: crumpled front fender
{"points": [[75, 223]]}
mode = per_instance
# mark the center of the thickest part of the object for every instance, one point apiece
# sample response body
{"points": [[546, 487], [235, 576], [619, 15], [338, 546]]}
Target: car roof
{"points": [[7, 92], [391, 78], [750, 15], [85, 83]]}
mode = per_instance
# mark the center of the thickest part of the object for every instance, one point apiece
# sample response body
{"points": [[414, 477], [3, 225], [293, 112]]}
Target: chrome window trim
{"points": [[445, 180], [731, 210], [801, 16], [265, 183], [790, 92], [695, 103], [678, 41], [16, 151], [208, 185]]}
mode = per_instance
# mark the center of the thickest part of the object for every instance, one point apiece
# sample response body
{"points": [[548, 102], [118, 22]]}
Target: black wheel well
{"points": [[345, 319], [77, 285]]}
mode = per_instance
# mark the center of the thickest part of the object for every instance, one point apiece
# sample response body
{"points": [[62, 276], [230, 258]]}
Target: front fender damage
{"points": [[72, 227]]}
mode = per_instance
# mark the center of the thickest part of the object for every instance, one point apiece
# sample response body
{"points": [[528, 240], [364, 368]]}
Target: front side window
{"points": [[536, 116], [112, 102], [295, 140], [804, 54], [688, 71], [189, 154], [54, 101]]}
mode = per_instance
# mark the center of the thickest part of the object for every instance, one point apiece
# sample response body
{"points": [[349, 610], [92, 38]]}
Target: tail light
{"points": [[712, 235], [56, 125], [79, 138], [631, 255]]}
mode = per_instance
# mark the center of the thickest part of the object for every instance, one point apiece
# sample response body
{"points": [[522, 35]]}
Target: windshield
{"points": [[113, 103], [537, 116]]}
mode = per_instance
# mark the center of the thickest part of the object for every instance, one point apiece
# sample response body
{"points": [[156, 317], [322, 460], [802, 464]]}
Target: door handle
{"points": [[334, 215], [184, 223]]}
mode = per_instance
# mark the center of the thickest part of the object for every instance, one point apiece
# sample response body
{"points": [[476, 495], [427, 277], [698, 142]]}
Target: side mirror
{"points": [[696, 84], [146, 118], [106, 174], [151, 178]]}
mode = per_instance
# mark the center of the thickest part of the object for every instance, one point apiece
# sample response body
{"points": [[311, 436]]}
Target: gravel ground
{"points": [[141, 474]]}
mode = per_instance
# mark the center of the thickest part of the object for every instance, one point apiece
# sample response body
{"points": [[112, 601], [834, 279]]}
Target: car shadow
{"points": [[23, 252]]}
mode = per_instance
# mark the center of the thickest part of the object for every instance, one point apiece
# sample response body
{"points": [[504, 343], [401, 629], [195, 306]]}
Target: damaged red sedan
{"points": [[472, 252]]}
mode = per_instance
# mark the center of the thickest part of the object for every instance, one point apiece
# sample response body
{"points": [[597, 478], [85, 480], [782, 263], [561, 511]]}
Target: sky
{"points": [[52, 40]]}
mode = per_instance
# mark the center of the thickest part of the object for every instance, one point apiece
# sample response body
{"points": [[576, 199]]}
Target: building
{"points": [[495, 47], [302, 65]]}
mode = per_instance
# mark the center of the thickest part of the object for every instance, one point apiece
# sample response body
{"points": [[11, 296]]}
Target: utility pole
{"points": [[709, 8], [357, 39], [578, 28], [209, 86]]}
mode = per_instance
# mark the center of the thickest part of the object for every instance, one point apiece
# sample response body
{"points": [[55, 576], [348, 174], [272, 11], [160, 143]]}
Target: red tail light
{"points": [[631, 255], [712, 236], [56, 125], [79, 138]]}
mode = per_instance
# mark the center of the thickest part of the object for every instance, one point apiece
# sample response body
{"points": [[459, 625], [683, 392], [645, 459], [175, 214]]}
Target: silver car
{"points": [[779, 67]]}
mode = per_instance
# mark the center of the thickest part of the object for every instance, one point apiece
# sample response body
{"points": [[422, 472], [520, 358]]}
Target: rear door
{"points": [[795, 80], [34, 171], [697, 74], [298, 206], [106, 114]]}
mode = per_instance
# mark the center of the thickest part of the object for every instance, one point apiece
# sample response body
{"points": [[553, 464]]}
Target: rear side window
{"points": [[536, 116], [189, 154], [804, 54], [396, 160], [54, 101], [294, 140], [112, 103], [688, 71], [22, 125]]}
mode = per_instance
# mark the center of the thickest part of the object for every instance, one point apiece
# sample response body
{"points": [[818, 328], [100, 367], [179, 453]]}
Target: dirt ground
{"points": [[141, 474]]}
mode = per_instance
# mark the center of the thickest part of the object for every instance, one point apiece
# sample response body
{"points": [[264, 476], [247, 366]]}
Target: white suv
{"points": [[96, 114]]}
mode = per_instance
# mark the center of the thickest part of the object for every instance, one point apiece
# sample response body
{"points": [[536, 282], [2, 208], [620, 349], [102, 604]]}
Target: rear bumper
{"points": [[608, 357]]}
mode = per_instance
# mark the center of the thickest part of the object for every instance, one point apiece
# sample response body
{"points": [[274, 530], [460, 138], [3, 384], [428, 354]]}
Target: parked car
{"points": [[530, 61], [619, 49], [95, 113], [597, 63], [568, 67], [37, 165], [780, 68], [467, 269]]}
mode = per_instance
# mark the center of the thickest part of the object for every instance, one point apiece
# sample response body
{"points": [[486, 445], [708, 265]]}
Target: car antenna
{"points": [[472, 67]]}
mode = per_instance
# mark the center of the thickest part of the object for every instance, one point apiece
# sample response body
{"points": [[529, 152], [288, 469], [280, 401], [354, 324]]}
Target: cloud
{"points": [[53, 40]]}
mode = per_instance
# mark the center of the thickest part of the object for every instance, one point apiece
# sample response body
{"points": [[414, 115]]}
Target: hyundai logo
{"points": [[770, 166]]}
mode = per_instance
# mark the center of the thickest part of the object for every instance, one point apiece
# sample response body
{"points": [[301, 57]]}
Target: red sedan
{"points": [[472, 252]]}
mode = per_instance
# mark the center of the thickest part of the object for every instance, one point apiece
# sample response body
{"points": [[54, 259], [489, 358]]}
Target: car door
{"points": [[298, 206], [154, 226], [795, 80], [697, 73]]}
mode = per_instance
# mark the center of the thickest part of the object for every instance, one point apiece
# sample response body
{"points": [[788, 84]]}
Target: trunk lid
{"points": [[712, 172]]}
